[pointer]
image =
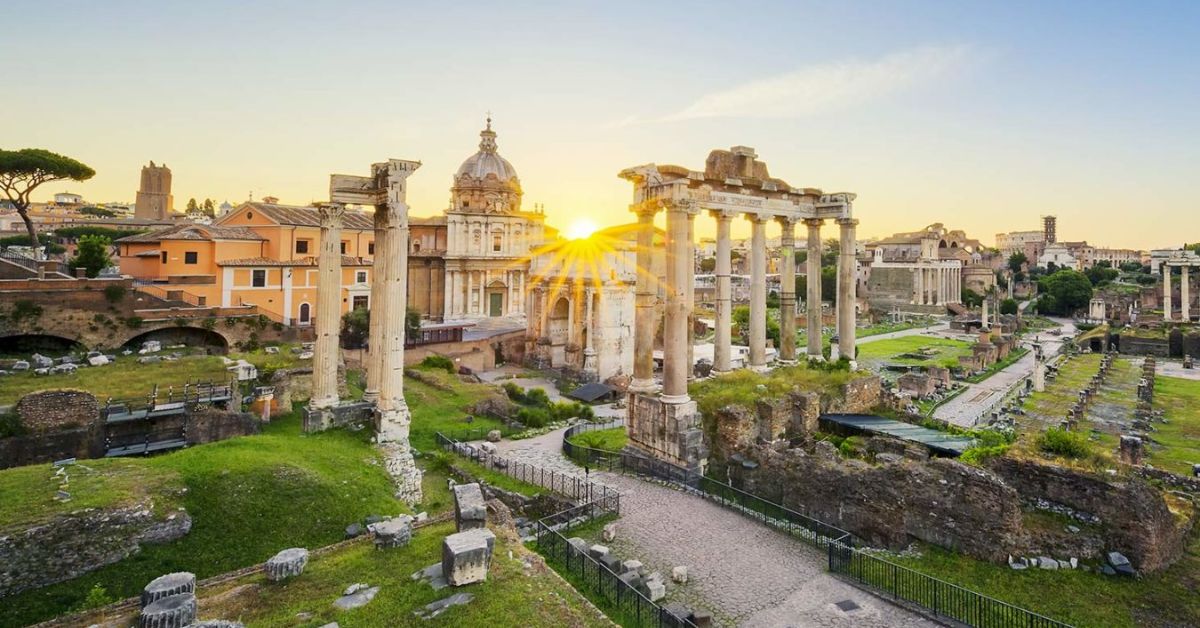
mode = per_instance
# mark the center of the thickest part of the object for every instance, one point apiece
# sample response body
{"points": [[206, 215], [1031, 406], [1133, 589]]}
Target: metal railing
{"points": [[624, 603], [158, 291], [941, 598]]}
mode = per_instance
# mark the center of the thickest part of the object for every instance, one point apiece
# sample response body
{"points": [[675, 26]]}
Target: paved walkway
{"points": [[968, 407]]}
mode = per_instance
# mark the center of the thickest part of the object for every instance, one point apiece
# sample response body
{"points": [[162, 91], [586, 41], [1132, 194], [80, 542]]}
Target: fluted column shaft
{"points": [[329, 307], [644, 321], [847, 289], [675, 335], [375, 341], [758, 291], [1184, 295], [1167, 313], [787, 290], [691, 296], [722, 342], [813, 317]]}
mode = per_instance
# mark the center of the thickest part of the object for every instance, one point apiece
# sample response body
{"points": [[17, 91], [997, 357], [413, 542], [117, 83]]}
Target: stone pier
{"points": [[645, 321], [723, 340], [813, 308], [758, 292], [787, 290]]}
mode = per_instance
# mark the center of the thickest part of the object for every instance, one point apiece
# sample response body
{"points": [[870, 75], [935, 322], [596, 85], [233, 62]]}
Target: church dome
{"points": [[487, 161]]}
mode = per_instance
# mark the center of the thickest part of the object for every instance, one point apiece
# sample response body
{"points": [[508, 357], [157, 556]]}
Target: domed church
{"points": [[488, 237]]}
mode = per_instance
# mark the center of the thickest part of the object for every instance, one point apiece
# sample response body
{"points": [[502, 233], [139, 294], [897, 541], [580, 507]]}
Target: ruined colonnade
{"points": [[937, 283]]}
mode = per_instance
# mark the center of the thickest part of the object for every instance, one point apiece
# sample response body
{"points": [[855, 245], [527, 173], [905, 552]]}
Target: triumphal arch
{"points": [[665, 422]]}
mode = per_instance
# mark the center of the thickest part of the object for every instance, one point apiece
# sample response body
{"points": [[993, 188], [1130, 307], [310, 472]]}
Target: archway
{"points": [[305, 314], [23, 345], [210, 340], [497, 297]]}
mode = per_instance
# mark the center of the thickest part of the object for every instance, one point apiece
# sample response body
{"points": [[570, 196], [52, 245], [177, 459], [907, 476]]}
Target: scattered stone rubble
{"points": [[470, 512], [285, 564]]}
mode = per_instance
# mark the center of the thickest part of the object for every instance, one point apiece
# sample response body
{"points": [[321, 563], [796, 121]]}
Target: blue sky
{"points": [[982, 116]]}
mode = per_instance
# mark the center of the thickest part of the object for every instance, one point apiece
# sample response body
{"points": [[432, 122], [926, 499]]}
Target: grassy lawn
{"points": [[915, 351], [607, 440], [1177, 445], [1050, 406], [28, 492], [741, 387], [441, 406], [248, 497], [124, 380], [511, 596], [1077, 597], [887, 328]]}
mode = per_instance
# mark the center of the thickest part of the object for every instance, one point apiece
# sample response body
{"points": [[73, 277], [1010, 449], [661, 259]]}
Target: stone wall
{"points": [[18, 451], [856, 397], [1131, 345], [56, 410], [206, 425], [74, 544]]}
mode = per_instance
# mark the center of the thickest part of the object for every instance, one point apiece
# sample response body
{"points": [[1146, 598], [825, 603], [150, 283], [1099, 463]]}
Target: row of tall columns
{"points": [[787, 290], [466, 292], [329, 308], [936, 285], [847, 296], [813, 315], [758, 292], [723, 341]]}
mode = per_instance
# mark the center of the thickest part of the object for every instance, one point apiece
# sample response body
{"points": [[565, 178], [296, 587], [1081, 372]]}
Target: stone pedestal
{"points": [[668, 431], [466, 556], [395, 532], [470, 512]]}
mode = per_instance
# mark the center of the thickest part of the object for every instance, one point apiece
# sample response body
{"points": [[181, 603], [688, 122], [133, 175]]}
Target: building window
{"points": [[164, 257], [249, 215], [190, 257], [360, 276], [370, 248], [258, 278], [416, 247], [360, 302], [496, 242], [305, 313], [344, 247], [301, 246]]}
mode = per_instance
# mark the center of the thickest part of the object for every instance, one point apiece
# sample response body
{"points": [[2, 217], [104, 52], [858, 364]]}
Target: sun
{"points": [[581, 229]]}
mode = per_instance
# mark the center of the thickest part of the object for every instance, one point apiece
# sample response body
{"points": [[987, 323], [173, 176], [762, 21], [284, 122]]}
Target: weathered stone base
{"points": [[668, 431], [466, 556], [344, 413], [399, 463]]}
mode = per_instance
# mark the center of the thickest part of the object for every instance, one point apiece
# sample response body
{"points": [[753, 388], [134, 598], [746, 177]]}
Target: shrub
{"points": [[537, 397], [114, 294], [563, 410], [514, 392], [97, 597], [231, 322], [25, 309], [133, 322], [1061, 442], [979, 455], [209, 323], [446, 364], [179, 321], [533, 417], [10, 425]]}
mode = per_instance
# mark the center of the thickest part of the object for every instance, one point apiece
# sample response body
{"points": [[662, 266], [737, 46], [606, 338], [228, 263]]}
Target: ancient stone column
{"points": [[392, 418], [813, 317], [916, 285], [847, 288], [589, 325], [691, 297], [1184, 295], [329, 308], [1166, 273], [758, 292], [722, 343], [984, 317], [675, 335], [644, 321], [378, 288], [787, 290]]}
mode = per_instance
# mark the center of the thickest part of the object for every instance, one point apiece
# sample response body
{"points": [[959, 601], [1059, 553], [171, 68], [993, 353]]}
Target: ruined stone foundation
{"points": [[668, 431]]}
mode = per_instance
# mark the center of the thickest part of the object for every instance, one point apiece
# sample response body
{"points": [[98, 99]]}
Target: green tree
{"points": [[1100, 275], [44, 239], [22, 171], [1070, 290], [708, 264], [970, 298], [1008, 306], [192, 206], [93, 254], [99, 212], [356, 325], [828, 283], [412, 322], [209, 208], [1017, 261]]}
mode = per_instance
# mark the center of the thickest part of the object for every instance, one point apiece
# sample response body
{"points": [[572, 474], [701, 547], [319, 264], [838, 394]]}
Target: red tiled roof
{"points": [[303, 261], [294, 215], [195, 232]]}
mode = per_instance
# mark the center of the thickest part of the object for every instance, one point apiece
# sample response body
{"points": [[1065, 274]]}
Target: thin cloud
{"points": [[831, 86]]}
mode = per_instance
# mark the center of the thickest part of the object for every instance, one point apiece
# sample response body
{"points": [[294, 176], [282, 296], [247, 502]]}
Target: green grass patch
{"points": [[511, 596], [915, 351], [742, 387], [1077, 597], [126, 379], [1176, 445], [443, 460], [439, 405], [613, 440]]}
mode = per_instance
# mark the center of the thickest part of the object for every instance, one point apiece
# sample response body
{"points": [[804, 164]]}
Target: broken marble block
{"points": [[679, 574], [395, 532], [170, 584], [469, 510], [467, 555], [173, 611], [285, 564], [609, 533], [653, 587]]}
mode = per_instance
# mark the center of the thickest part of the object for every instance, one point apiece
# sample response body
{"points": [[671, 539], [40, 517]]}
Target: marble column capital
{"points": [[684, 205], [646, 210], [787, 222], [722, 214], [331, 215], [757, 218], [813, 222], [847, 222]]}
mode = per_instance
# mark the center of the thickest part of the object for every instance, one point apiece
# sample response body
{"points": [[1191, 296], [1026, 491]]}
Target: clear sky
{"points": [[983, 116]]}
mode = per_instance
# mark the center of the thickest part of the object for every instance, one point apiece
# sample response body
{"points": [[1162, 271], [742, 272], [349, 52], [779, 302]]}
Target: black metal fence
{"points": [[576, 488], [623, 603], [938, 597], [935, 596]]}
